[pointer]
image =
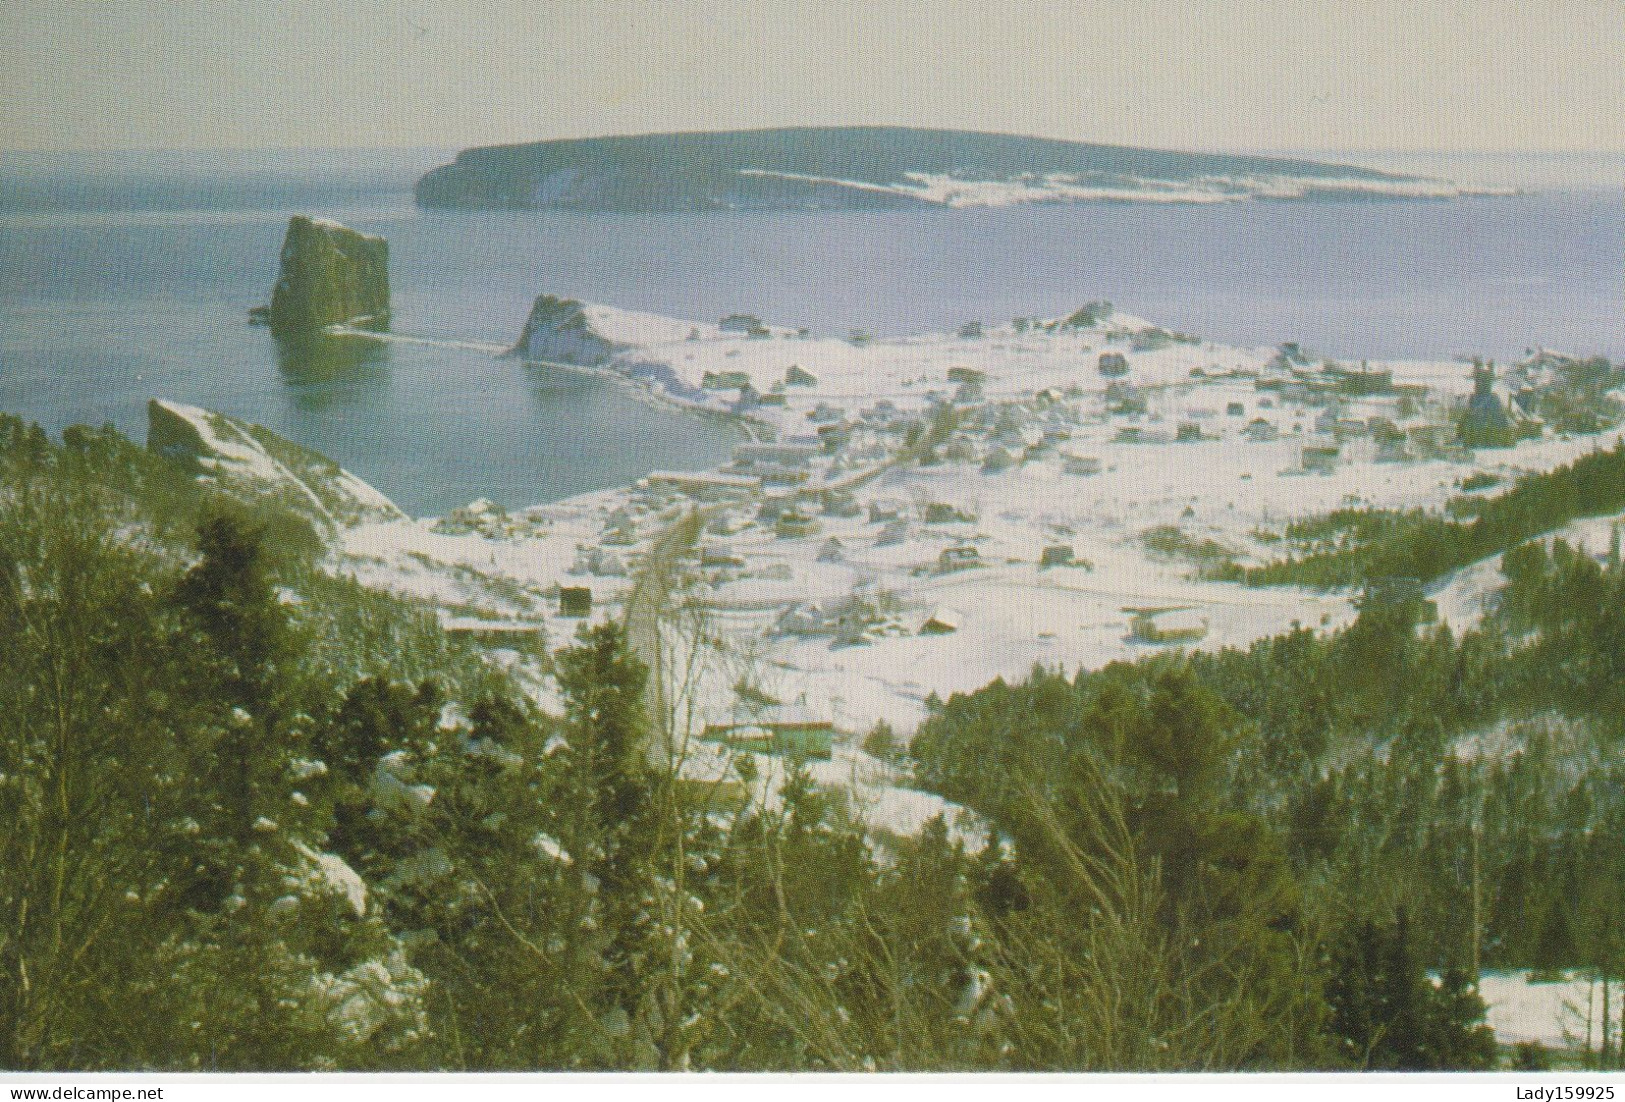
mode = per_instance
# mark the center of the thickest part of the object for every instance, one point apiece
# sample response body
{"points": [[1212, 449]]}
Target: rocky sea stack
{"points": [[330, 275]]}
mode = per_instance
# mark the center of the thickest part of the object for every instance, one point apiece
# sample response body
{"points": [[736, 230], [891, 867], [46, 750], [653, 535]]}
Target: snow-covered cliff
{"points": [[254, 463]]}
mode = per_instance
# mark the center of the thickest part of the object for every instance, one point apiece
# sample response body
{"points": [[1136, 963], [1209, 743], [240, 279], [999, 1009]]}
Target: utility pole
{"points": [[1478, 922], [1475, 942]]}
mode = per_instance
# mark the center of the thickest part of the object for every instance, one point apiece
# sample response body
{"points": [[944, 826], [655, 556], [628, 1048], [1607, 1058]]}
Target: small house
{"points": [[803, 619], [575, 601], [512, 634], [780, 474], [1361, 383], [1485, 424], [1058, 554], [1393, 593], [895, 532], [475, 513], [789, 729], [798, 376], [1019, 437], [1083, 465], [794, 524], [1428, 439], [725, 523], [961, 557], [996, 460], [725, 380], [940, 622], [884, 512], [840, 503], [1320, 459], [705, 486], [834, 436], [1178, 624], [1261, 431], [784, 454], [718, 558], [939, 512], [607, 564], [1235, 409], [1113, 365], [1392, 451], [967, 376], [1126, 400]]}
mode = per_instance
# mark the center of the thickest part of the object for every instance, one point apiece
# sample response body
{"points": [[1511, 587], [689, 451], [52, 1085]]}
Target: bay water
{"points": [[130, 276]]}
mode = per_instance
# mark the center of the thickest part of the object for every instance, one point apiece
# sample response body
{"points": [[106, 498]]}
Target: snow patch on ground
{"points": [[1565, 1014], [330, 872], [953, 191]]}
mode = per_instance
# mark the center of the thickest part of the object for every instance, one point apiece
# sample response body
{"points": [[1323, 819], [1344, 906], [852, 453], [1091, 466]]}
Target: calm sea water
{"points": [[130, 278]]}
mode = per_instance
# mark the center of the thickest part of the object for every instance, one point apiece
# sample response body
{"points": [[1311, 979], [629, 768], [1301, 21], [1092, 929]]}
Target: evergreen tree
{"points": [[613, 825], [1388, 1016]]}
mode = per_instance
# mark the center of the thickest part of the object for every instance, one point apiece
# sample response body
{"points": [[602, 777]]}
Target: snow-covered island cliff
{"points": [[874, 167]]}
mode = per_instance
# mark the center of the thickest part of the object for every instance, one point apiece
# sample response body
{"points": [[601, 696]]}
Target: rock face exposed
{"points": [[331, 275], [253, 463], [559, 331]]}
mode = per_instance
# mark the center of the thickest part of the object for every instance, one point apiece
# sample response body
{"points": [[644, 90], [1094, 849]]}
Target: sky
{"points": [[1354, 75]]}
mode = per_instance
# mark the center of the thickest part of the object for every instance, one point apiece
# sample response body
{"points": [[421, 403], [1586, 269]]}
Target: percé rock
{"points": [[559, 331], [330, 275], [254, 464]]}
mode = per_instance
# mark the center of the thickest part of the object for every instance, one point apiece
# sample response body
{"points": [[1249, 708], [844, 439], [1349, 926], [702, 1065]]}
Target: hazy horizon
{"points": [[1254, 76], [1480, 167]]}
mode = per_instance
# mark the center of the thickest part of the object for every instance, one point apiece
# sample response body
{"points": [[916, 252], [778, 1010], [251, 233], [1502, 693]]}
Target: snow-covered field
{"points": [[1060, 187], [1562, 1014]]}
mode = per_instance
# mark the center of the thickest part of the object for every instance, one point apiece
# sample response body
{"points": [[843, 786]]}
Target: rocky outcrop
{"points": [[330, 275], [254, 464], [559, 331]]}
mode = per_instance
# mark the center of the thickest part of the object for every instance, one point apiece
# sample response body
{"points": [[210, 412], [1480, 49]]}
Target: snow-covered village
{"points": [[914, 518]]}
